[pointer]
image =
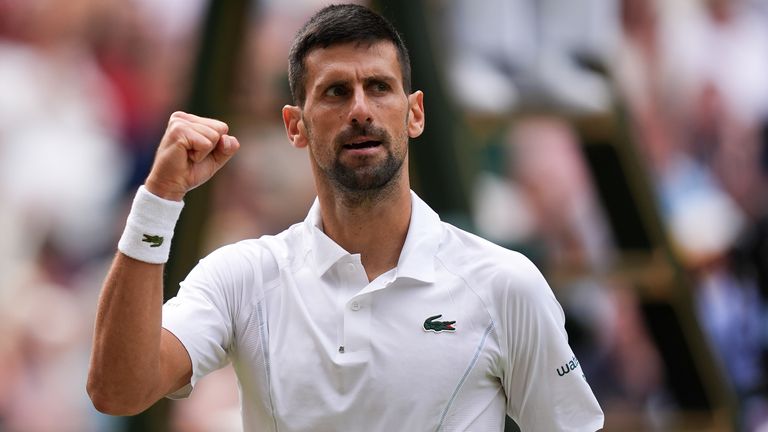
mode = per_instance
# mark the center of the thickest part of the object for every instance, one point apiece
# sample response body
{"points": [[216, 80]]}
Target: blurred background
{"points": [[621, 144]]}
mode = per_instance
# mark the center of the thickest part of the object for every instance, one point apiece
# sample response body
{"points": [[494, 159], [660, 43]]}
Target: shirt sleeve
{"points": [[201, 316], [545, 386]]}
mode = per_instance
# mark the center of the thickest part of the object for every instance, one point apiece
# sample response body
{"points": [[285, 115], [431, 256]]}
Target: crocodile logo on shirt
{"points": [[153, 240], [438, 326]]}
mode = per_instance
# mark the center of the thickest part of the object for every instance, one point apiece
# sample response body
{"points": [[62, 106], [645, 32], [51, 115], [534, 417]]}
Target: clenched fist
{"points": [[191, 151]]}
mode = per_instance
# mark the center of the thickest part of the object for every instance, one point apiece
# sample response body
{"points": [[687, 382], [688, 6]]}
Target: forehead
{"points": [[354, 59]]}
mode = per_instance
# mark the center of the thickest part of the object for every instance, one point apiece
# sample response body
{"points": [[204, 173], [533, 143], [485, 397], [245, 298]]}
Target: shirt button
{"points": [[355, 306], [350, 268]]}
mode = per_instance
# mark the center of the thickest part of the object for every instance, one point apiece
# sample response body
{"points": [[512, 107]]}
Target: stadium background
{"points": [[621, 144]]}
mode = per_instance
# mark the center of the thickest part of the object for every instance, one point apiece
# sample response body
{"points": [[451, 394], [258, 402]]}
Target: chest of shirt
{"points": [[340, 344]]}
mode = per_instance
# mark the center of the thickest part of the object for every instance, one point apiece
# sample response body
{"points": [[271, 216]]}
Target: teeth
{"points": [[364, 144]]}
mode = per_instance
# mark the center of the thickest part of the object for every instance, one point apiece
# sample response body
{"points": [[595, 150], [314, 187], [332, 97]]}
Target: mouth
{"points": [[362, 145]]}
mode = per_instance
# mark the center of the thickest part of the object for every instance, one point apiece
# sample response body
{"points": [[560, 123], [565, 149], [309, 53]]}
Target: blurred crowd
{"points": [[687, 80], [86, 88]]}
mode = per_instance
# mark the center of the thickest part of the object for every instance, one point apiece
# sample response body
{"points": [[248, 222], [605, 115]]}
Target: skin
{"points": [[134, 361], [354, 94], [359, 84]]}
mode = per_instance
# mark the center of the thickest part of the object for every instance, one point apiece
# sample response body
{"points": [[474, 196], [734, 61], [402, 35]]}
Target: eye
{"points": [[336, 91], [380, 86]]}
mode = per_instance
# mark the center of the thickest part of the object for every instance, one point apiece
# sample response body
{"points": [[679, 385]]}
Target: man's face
{"points": [[356, 119]]}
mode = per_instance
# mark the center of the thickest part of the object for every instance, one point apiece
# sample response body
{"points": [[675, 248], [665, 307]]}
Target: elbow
{"points": [[112, 403]]}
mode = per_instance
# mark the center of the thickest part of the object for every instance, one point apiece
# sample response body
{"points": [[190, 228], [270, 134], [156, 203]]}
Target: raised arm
{"points": [[134, 361]]}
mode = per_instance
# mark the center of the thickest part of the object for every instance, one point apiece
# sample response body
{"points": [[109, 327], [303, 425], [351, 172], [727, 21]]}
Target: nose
{"points": [[360, 112]]}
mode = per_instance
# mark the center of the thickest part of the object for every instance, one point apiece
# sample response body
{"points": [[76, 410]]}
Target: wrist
{"points": [[163, 191], [149, 228]]}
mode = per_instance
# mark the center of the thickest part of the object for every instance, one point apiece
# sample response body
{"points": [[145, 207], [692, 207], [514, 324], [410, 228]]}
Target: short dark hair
{"points": [[337, 24]]}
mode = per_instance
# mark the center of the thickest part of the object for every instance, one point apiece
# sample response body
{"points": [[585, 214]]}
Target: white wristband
{"points": [[149, 228]]}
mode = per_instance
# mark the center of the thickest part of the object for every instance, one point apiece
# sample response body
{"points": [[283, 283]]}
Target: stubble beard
{"points": [[370, 183]]}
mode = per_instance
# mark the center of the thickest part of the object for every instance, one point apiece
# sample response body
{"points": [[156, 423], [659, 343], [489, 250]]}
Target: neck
{"points": [[373, 225]]}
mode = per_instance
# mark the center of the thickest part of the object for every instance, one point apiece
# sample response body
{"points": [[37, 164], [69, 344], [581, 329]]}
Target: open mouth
{"points": [[362, 145]]}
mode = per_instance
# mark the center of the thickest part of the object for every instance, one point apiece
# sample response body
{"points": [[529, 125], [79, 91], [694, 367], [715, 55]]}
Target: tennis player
{"points": [[370, 315]]}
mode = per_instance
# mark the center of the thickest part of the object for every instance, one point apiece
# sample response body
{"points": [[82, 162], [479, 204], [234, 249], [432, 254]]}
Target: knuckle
{"points": [[221, 127], [204, 144], [176, 129]]}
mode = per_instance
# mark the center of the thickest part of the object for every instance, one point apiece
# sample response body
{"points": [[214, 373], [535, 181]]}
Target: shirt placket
{"points": [[356, 326]]}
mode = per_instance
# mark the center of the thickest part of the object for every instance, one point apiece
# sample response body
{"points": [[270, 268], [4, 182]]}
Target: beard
{"points": [[366, 178], [369, 179]]}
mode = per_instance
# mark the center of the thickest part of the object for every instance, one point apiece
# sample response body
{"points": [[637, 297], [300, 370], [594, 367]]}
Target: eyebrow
{"points": [[389, 79], [326, 85]]}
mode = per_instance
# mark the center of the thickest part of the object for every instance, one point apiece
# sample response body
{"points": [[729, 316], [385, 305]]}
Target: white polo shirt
{"points": [[459, 334]]}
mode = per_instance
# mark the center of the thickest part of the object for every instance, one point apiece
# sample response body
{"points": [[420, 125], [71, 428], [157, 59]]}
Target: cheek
{"points": [[325, 122], [320, 136]]}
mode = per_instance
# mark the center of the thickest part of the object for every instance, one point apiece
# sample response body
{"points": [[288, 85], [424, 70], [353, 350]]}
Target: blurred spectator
{"points": [[63, 168], [695, 79], [548, 165], [539, 53], [146, 50], [605, 323], [60, 172], [550, 55], [56, 140]]}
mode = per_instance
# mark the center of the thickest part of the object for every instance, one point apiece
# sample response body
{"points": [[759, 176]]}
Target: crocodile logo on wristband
{"points": [[153, 240]]}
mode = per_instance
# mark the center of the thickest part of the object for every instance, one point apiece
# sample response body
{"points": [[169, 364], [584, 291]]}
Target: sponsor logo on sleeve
{"points": [[568, 366]]}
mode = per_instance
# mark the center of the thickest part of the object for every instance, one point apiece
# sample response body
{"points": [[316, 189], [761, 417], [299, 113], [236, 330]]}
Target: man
{"points": [[371, 314]]}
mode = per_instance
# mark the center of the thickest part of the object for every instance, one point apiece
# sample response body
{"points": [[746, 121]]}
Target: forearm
{"points": [[134, 362], [125, 371]]}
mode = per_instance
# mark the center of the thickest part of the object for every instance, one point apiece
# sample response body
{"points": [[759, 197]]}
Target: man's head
{"points": [[353, 111], [338, 24]]}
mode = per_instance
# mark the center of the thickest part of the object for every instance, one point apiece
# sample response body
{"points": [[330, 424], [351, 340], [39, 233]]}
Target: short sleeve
{"points": [[201, 316], [545, 386]]}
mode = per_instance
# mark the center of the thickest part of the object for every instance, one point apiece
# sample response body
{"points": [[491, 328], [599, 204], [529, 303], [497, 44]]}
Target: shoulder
{"points": [[507, 281], [512, 289], [487, 263], [255, 259]]}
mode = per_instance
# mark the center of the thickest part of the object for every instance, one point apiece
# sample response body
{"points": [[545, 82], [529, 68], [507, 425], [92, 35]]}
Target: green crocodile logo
{"points": [[153, 240], [438, 326]]}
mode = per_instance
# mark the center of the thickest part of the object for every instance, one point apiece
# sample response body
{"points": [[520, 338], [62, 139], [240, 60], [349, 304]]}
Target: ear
{"points": [[416, 115], [294, 126]]}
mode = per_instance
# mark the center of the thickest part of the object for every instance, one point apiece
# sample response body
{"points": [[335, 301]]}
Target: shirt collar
{"points": [[325, 252], [416, 259]]}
